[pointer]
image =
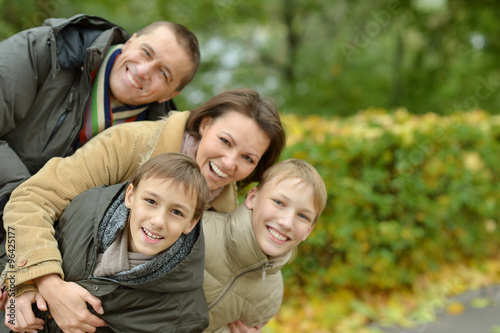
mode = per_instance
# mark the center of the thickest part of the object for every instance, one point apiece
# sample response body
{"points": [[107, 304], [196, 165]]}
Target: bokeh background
{"points": [[327, 57], [395, 103]]}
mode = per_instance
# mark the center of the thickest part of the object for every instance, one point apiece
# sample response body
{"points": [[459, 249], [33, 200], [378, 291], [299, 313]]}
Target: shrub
{"points": [[406, 195]]}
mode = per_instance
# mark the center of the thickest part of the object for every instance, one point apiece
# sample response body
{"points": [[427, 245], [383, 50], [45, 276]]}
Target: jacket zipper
{"points": [[264, 274], [62, 117]]}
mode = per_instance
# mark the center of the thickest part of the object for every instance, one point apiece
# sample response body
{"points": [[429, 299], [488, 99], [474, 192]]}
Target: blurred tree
{"points": [[320, 56]]}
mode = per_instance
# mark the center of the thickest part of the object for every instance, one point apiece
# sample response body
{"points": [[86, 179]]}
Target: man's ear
{"points": [[204, 123], [190, 226], [250, 199], [129, 194], [172, 95]]}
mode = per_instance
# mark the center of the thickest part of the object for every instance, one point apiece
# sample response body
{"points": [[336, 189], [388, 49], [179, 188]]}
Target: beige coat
{"points": [[241, 282], [110, 158]]}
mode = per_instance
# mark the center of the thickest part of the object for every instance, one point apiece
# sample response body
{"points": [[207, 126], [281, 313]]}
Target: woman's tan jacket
{"points": [[110, 158]]}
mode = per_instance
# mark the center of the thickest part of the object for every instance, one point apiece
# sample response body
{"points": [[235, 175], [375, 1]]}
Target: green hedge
{"points": [[407, 194]]}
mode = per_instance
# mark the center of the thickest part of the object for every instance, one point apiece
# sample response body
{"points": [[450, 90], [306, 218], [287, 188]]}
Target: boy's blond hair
{"points": [[295, 168], [183, 171]]}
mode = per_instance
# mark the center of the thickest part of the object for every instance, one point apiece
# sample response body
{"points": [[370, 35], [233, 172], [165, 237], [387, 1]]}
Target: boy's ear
{"points": [[308, 232], [128, 195], [250, 199], [190, 226]]}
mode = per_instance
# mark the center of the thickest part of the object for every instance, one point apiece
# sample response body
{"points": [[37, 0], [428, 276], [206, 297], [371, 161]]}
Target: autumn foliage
{"points": [[412, 216]]}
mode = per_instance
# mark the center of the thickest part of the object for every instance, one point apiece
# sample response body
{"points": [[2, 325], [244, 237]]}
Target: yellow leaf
{"points": [[455, 308]]}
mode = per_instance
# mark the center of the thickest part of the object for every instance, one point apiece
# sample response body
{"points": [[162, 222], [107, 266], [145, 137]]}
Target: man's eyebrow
{"points": [[153, 52]]}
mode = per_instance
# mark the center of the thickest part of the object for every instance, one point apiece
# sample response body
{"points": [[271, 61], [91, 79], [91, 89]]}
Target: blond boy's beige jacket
{"points": [[241, 282], [110, 158]]}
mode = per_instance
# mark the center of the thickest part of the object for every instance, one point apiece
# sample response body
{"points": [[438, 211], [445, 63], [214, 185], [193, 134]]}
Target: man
{"points": [[64, 82]]}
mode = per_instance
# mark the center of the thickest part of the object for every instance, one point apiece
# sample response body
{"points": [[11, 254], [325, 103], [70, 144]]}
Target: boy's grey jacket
{"points": [[241, 282], [174, 302], [44, 87]]}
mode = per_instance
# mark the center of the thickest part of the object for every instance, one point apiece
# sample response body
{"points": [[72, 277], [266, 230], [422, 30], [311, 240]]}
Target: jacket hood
{"points": [[76, 34]]}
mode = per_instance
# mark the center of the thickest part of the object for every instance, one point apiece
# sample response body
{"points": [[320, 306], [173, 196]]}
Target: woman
{"points": [[233, 137]]}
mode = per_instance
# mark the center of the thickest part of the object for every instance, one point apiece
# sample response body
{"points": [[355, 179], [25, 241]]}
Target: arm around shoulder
{"points": [[109, 158]]}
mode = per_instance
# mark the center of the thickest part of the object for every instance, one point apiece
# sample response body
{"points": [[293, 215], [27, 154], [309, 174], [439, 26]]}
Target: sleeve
{"points": [[27, 62], [223, 329], [109, 158]]}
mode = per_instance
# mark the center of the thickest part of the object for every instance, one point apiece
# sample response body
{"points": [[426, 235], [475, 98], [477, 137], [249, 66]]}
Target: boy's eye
{"points": [[151, 201], [146, 52], [279, 203], [177, 212], [224, 141], [164, 75], [304, 217]]}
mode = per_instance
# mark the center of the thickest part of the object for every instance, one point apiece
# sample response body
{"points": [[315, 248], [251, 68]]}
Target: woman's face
{"points": [[230, 148]]}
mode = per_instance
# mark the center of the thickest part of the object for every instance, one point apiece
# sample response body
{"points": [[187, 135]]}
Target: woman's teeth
{"points": [[218, 171]]}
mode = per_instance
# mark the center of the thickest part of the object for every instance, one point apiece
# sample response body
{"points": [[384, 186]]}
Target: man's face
{"points": [[283, 215], [149, 69], [159, 213]]}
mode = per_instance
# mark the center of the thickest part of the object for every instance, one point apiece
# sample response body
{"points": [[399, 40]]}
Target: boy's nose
{"points": [[286, 220]]}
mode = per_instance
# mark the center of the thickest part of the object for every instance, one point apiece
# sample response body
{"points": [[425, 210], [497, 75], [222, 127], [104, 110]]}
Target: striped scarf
{"points": [[99, 115]]}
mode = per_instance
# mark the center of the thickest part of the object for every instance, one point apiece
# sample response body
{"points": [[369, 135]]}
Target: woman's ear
{"points": [[129, 195], [204, 124]]}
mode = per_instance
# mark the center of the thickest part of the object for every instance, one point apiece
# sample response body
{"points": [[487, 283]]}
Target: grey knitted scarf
{"points": [[114, 222]]}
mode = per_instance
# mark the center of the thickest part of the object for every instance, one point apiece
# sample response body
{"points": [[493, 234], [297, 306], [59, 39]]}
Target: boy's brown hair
{"points": [[298, 169], [182, 170]]}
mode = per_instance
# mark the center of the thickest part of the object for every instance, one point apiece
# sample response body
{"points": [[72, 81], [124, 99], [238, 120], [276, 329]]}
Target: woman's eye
{"points": [[248, 158]]}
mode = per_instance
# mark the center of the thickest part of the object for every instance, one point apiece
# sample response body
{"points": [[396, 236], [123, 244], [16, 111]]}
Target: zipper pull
{"points": [[264, 273]]}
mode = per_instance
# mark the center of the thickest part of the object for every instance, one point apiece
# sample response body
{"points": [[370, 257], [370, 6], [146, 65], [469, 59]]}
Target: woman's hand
{"points": [[67, 302], [20, 316]]}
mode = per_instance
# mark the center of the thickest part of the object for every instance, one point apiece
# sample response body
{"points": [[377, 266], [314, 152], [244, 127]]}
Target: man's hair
{"points": [[298, 169], [186, 39], [249, 103], [182, 170]]}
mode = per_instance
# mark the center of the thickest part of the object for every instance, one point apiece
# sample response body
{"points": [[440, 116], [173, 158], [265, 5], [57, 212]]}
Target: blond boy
{"points": [[245, 250]]}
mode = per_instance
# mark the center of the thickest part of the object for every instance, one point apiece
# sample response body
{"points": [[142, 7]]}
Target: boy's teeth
{"points": [[277, 235], [218, 171], [150, 235]]}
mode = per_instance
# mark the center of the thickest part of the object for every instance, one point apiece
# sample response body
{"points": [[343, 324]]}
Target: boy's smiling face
{"points": [[159, 213], [283, 214]]}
